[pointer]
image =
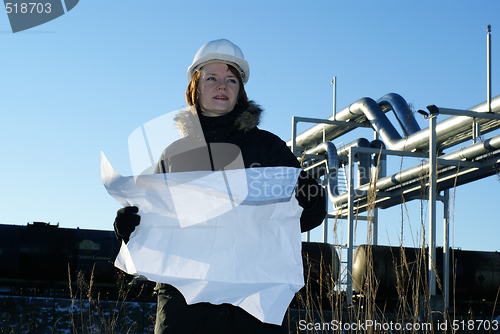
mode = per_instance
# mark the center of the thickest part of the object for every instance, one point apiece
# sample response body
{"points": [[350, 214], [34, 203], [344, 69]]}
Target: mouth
{"points": [[221, 97]]}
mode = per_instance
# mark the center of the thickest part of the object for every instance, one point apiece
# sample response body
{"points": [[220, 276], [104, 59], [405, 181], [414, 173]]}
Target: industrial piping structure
{"points": [[323, 159]]}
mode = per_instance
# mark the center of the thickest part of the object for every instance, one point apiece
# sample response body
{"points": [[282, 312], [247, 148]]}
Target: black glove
{"points": [[307, 191], [312, 198], [125, 222]]}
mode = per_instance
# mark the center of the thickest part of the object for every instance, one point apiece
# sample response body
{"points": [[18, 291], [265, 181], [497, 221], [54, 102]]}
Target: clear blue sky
{"points": [[80, 84]]}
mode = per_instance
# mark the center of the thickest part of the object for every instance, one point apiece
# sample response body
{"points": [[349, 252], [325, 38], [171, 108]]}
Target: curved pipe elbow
{"points": [[379, 160], [378, 120], [402, 111], [363, 168], [332, 165]]}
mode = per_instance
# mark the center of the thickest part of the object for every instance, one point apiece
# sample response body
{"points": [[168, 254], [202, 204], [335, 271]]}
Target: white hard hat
{"points": [[220, 50]]}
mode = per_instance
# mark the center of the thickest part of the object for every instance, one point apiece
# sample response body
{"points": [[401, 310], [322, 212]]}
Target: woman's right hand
{"points": [[125, 222]]}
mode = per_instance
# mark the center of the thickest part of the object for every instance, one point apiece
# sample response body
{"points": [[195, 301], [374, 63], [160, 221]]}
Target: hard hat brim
{"points": [[240, 64]]}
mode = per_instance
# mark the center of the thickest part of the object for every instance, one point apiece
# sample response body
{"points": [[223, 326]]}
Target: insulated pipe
{"points": [[363, 159], [354, 113], [402, 112], [469, 152], [382, 171], [449, 132], [332, 165], [360, 142], [472, 151]]}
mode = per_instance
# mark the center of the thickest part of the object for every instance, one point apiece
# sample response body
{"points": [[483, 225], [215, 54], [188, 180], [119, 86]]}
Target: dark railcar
{"points": [[321, 264], [46, 254], [474, 275], [38, 256]]}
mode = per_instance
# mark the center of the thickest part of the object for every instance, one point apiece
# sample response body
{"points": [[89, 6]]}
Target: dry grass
{"points": [[90, 315], [83, 311], [411, 303]]}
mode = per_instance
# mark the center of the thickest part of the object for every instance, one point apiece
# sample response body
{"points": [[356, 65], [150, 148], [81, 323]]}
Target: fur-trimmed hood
{"points": [[246, 120]]}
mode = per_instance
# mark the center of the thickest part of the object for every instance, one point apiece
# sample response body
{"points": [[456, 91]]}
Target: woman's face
{"points": [[218, 89]]}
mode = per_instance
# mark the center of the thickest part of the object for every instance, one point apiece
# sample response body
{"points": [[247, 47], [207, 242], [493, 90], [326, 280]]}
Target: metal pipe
{"points": [[465, 153], [360, 142], [382, 172], [402, 112], [472, 151], [475, 130], [364, 167], [446, 248], [380, 163], [488, 62], [350, 230], [334, 82], [331, 176], [363, 159], [354, 113], [432, 206], [449, 132], [332, 165], [294, 131]]}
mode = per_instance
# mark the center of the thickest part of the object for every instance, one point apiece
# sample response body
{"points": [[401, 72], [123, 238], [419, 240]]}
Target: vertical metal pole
{"points": [[488, 62], [446, 248], [350, 228], [325, 221], [334, 83], [474, 130], [294, 144], [432, 206], [325, 229], [381, 174]]}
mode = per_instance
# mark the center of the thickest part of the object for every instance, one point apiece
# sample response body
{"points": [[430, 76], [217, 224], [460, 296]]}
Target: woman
{"points": [[219, 127]]}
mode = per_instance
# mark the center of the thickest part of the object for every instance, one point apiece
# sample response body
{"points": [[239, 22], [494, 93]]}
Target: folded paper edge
{"points": [[108, 173]]}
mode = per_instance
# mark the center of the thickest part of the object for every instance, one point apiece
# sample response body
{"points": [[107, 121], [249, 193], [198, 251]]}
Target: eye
{"points": [[211, 79], [232, 81]]}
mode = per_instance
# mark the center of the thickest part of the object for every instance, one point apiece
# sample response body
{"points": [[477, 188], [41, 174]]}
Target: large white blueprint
{"points": [[220, 237]]}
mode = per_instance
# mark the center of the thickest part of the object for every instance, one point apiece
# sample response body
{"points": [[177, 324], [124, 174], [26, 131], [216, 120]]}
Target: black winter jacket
{"points": [[252, 147], [258, 148]]}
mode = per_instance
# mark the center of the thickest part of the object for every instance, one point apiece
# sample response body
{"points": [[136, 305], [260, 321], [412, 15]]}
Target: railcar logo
{"points": [[24, 14], [89, 246]]}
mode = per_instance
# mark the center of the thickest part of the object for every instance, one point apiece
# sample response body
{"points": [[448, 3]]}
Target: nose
{"points": [[222, 86]]}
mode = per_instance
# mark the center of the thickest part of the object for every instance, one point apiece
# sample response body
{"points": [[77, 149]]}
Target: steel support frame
{"points": [[295, 121], [432, 191], [432, 268]]}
